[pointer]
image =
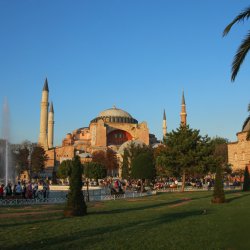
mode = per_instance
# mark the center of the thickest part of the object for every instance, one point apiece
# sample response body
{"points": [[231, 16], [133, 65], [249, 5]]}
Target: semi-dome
{"points": [[128, 143], [115, 112]]}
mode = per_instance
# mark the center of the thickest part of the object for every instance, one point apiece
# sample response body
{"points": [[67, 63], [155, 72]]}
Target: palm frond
{"points": [[240, 18], [240, 56], [248, 108], [245, 123]]}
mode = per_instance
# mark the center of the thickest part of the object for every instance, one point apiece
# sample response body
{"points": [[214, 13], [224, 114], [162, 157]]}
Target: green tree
{"points": [[75, 205], [38, 160], [246, 183], [244, 46], [218, 194], [161, 171], [22, 160], [111, 162], [187, 152], [108, 159], [143, 167], [95, 170], [125, 165], [219, 155], [65, 169], [130, 153]]}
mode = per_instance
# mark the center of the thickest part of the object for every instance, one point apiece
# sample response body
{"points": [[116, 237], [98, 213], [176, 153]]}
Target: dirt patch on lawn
{"points": [[96, 204], [181, 202], [134, 200]]}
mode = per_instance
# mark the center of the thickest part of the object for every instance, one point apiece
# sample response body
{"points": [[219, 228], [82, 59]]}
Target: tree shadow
{"points": [[237, 197], [91, 236], [33, 222], [122, 210]]}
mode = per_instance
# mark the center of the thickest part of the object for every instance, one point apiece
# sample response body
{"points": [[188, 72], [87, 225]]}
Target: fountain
{"points": [[6, 173]]}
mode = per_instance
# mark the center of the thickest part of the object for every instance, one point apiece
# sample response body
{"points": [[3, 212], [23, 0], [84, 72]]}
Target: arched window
{"points": [[118, 137]]}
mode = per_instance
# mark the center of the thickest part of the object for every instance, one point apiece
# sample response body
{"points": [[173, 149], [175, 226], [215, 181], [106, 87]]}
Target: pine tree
{"points": [[218, 195], [246, 184], [76, 205]]}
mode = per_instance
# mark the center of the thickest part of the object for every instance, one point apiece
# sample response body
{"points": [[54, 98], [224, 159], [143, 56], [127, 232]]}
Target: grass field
{"points": [[164, 221]]}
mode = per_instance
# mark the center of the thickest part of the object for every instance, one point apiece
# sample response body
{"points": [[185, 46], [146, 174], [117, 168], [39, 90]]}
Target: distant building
{"points": [[110, 129], [113, 128], [239, 151]]}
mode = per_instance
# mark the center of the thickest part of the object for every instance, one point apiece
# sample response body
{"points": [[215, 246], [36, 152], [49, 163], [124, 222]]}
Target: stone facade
{"points": [[110, 129], [239, 152], [113, 128]]}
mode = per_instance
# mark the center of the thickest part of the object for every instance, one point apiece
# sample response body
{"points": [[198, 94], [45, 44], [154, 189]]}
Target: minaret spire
{"points": [[51, 126], [43, 140], [164, 124], [46, 86], [183, 98], [183, 111]]}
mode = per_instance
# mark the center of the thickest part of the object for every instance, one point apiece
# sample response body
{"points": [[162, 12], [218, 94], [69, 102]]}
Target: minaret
{"points": [[183, 111], [43, 141], [164, 125], [51, 126]]}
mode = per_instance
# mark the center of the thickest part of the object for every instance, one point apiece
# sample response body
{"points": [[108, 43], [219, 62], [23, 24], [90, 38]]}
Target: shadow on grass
{"points": [[89, 237], [122, 210], [14, 223], [151, 206], [242, 195]]}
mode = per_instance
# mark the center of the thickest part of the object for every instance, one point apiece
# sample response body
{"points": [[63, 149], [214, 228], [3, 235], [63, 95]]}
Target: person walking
{"points": [[44, 190], [29, 191], [24, 189], [8, 190], [18, 189], [1, 191]]}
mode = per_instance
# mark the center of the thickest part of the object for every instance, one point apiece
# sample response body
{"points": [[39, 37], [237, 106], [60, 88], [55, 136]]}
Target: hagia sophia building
{"points": [[113, 128]]}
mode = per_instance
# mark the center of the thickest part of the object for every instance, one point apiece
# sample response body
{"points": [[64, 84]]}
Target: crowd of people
{"points": [[24, 190]]}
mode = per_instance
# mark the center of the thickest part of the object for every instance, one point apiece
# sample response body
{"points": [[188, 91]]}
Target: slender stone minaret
{"points": [[164, 125], [43, 141], [51, 126], [183, 111]]}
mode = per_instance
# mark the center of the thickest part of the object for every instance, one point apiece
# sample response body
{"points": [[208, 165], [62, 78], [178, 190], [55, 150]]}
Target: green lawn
{"points": [[164, 221]]}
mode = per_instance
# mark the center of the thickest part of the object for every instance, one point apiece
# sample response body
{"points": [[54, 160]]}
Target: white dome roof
{"points": [[114, 112]]}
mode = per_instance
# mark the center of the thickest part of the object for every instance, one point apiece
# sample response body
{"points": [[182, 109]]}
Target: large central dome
{"points": [[114, 112], [115, 115]]}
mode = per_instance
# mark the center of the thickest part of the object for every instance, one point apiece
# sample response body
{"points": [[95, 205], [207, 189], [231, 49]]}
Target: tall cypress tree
{"points": [[246, 184], [218, 195], [125, 165], [76, 205]]}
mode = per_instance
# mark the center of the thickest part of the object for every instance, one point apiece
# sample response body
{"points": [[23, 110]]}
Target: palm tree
{"points": [[244, 46]]}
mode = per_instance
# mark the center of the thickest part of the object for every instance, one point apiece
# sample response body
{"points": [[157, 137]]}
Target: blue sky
{"points": [[137, 55]]}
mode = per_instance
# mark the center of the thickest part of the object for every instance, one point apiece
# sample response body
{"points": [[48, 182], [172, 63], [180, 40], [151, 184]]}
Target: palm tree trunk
{"points": [[87, 190]]}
